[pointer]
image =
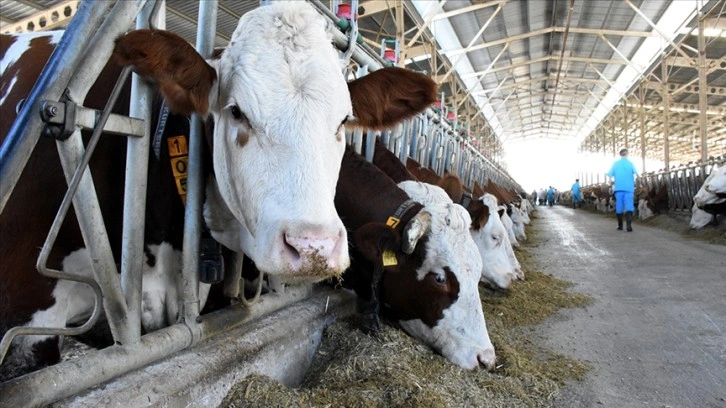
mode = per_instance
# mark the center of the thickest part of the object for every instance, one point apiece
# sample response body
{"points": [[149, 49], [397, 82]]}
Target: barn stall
{"points": [[459, 135]]}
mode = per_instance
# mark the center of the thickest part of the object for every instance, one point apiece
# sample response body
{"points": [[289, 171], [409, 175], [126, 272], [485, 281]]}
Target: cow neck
{"points": [[466, 200], [385, 160], [365, 194], [395, 220]]}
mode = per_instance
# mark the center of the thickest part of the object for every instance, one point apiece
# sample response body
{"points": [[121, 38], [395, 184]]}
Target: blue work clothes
{"points": [[624, 172]]}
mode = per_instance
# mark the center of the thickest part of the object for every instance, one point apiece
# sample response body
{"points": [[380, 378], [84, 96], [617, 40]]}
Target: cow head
{"points": [[717, 183], [713, 188], [700, 218], [517, 223], [492, 241], [279, 100], [439, 304]]}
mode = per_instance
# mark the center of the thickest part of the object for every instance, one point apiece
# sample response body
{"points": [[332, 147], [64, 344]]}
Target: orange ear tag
{"points": [[392, 222]]}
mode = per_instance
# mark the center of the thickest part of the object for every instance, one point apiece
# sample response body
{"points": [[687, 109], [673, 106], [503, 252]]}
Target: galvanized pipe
{"points": [[25, 131], [74, 159], [137, 164], [206, 30], [70, 377]]}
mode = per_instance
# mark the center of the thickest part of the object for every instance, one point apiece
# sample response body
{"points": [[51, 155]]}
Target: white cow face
{"points": [[460, 334], [644, 212], [491, 241], [714, 184], [699, 218], [518, 223], [717, 184], [279, 139]]}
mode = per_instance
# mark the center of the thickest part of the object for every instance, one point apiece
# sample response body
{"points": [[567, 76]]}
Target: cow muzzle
{"points": [[312, 254]]}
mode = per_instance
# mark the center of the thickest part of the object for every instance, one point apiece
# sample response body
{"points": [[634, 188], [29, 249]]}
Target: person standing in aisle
{"points": [[624, 172], [576, 194]]}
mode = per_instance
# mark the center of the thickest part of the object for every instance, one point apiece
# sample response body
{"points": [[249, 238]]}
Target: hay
{"points": [[353, 369]]}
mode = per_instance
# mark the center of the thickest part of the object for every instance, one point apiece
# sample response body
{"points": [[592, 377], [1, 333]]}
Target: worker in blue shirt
{"points": [[624, 172], [551, 196], [576, 194]]}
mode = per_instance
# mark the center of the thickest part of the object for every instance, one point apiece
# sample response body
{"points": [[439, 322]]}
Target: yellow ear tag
{"points": [[392, 222], [389, 258]]}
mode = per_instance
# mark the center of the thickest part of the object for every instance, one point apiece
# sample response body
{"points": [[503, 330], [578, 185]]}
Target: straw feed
{"points": [[390, 369]]}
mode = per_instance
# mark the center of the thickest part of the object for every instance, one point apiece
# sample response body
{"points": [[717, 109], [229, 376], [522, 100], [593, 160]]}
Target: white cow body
{"points": [[461, 335]]}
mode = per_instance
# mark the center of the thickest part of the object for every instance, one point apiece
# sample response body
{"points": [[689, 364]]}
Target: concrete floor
{"points": [[655, 334]]}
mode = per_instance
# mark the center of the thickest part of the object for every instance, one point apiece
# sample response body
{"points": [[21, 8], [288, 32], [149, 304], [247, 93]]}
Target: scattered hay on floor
{"points": [[679, 223], [390, 369]]}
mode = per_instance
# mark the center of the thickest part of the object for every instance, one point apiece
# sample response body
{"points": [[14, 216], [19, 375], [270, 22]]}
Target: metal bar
{"points": [[666, 125], [70, 377], [193, 214], [655, 28], [25, 131], [473, 40], [702, 83], [83, 195], [137, 163]]}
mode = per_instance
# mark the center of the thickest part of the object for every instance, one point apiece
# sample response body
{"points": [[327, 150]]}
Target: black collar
{"points": [[402, 209]]}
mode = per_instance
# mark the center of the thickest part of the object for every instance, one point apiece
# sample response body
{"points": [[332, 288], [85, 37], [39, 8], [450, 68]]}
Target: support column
{"points": [[702, 84], [666, 107], [641, 98]]}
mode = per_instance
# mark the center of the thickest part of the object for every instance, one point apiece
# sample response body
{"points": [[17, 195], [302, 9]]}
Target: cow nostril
{"points": [[291, 249], [487, 358]]}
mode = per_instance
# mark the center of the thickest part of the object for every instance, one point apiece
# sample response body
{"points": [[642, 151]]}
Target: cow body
{"points": [[278, 100], [431, 291]]}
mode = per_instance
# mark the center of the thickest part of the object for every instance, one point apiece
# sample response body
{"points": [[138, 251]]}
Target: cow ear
{"points": [[184, 78], [385, 97], [479, 215], [477, 190], [451, 183], [379, 244]]}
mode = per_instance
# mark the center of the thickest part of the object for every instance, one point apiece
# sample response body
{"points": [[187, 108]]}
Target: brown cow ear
{"points": [[477, 191], [385, 97], [184, 78], [379, 244], [479, 216]]}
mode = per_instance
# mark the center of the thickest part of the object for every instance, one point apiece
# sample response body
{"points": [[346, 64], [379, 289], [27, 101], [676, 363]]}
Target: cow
{"points": [[278, 102], [411, 262], [486, 231], [717, 182], [657, 200], [713, 189], [708, 203], [498, 234]]}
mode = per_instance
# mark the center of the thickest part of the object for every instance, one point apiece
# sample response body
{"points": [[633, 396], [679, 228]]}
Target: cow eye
{"points": [[236, 112], [440, 278]]}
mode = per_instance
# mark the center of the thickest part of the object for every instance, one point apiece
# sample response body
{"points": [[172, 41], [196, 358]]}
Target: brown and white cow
{"points": [[278, 99], [428, 274], [486, 230]]}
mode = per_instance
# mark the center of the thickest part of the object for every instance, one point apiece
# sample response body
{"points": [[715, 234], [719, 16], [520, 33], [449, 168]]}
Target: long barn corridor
{"points": [[655, 334]]}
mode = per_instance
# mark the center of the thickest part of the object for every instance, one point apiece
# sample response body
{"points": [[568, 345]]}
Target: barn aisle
{"points": [[655, 334]]}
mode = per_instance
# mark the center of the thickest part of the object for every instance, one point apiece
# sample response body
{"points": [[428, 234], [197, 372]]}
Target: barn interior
{"points": [[538, 93]]}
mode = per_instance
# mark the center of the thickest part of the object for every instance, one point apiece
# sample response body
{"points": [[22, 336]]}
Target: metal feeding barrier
{"points": [[83, 51], [682, 182]]}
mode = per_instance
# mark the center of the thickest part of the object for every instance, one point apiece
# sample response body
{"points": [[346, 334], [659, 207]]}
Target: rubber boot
{"points": [[620, 222], [629, 220]]}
